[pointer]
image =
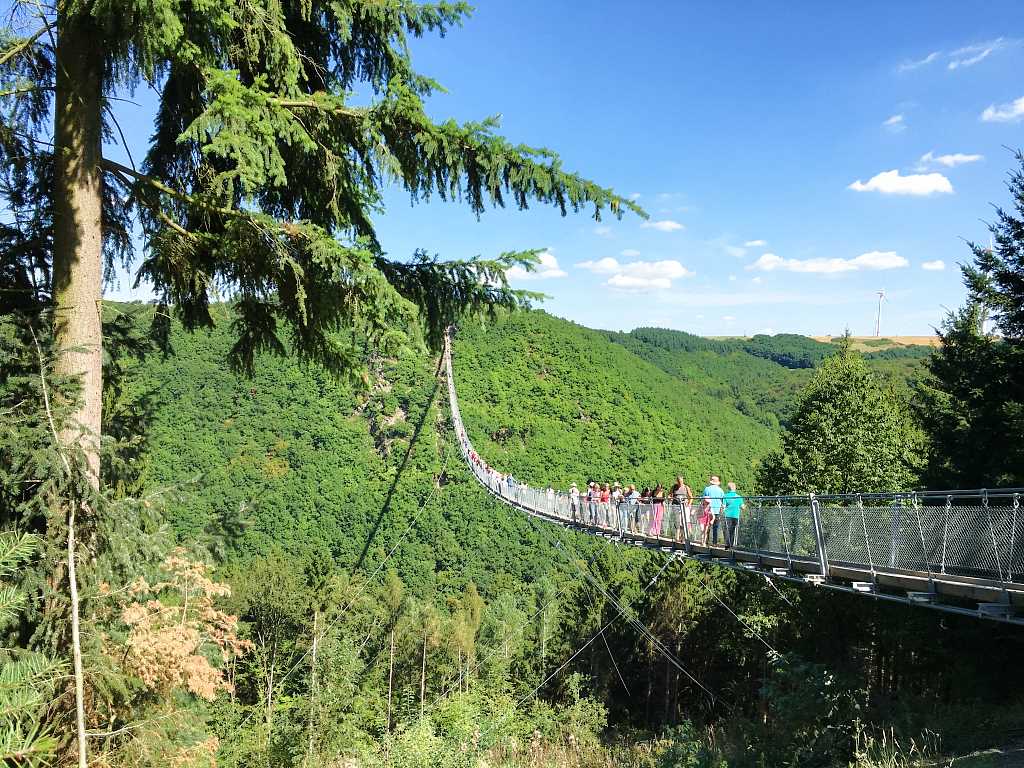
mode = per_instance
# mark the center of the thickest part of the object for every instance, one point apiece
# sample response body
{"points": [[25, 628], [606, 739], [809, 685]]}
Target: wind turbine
{"points": [[878, 317]]}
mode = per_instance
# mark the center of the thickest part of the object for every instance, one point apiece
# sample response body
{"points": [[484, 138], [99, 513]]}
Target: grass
{"points": [[883, 749], [873, 344]]}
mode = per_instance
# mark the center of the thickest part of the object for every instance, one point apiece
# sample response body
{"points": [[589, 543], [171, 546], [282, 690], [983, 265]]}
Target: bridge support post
{"points": [[945, 530], [1013, 538], [685, 511], [819, 536]]}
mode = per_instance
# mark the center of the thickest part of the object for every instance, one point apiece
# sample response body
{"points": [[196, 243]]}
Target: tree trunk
{"points": [[668, 690], [270, 686], [423, 677], [77, 231], [391, 674], [543, 643], [312, 685], [650, 681]]}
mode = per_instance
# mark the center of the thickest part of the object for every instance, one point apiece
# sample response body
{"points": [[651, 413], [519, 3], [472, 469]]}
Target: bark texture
{"points": [[77, 233]]}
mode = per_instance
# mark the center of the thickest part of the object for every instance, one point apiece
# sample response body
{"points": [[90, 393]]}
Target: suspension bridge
{"points": [[955, 551]]}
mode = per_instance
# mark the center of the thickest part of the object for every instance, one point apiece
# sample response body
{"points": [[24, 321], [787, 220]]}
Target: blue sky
{"points": [[795, 158]]}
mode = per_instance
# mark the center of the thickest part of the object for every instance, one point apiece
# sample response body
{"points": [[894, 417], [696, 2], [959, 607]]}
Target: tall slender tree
{"points": [[261, 180]]}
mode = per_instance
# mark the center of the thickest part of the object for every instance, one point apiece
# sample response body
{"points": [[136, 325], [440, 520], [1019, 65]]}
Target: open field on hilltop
{"points": [[874, 344], [863, 343]]}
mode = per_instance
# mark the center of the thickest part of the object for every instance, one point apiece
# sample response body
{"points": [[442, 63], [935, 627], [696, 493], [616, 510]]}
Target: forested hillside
{"points": [[554, 402], [293, 460], [761, 376]]}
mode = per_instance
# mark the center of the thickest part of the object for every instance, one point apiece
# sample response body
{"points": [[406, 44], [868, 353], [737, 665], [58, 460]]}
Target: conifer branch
{"points": [[185, 197], [26, 43]]}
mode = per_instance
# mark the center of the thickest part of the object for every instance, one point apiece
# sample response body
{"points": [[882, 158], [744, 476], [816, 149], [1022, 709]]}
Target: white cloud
{"points": [[915, 64], [635, 196], [732, 278], [547, 267], [665, 225], [728, 318], [638, 284], [872, 260], [724, 243], [757, 280], [669, 268], [970, 55], [1004, 113], [638, 275], [755, 243], [605, 266], [630, 253], [765, 332], [896, 123], [893, 183], [603, 230], [967, 56], [934, 266], [949, 161]]}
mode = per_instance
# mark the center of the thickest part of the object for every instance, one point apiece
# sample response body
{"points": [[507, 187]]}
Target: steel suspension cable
{"points": [[568, 661], [775, 655], [653, 639], [636, 623]]}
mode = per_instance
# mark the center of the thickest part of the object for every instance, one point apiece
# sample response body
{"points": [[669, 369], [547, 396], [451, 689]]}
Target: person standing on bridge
{"points": [[682, 497], [616, 517], [633, 507], [574, 502], [658, 497], [712, 506], [645, 510], [733, 505], [606, 505]]}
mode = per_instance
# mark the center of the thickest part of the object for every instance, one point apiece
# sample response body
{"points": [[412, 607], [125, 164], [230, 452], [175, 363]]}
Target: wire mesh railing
{"points": [[971, 534]]}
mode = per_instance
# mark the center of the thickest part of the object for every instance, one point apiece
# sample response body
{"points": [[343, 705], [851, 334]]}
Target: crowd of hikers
{"points": [[674, 513]]}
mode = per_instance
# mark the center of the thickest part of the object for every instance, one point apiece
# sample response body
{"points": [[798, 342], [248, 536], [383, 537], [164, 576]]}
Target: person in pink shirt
{"points": [[658, 497]]}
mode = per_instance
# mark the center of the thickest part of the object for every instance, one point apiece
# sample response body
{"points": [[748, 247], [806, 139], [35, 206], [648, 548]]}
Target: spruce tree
{"points": [[971, 403], [850, 434], [27, 679], [262, 177]]}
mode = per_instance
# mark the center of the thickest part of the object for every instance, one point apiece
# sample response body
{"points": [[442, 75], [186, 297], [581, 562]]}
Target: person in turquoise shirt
{"points": [[733, 504], [714, 495]]}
